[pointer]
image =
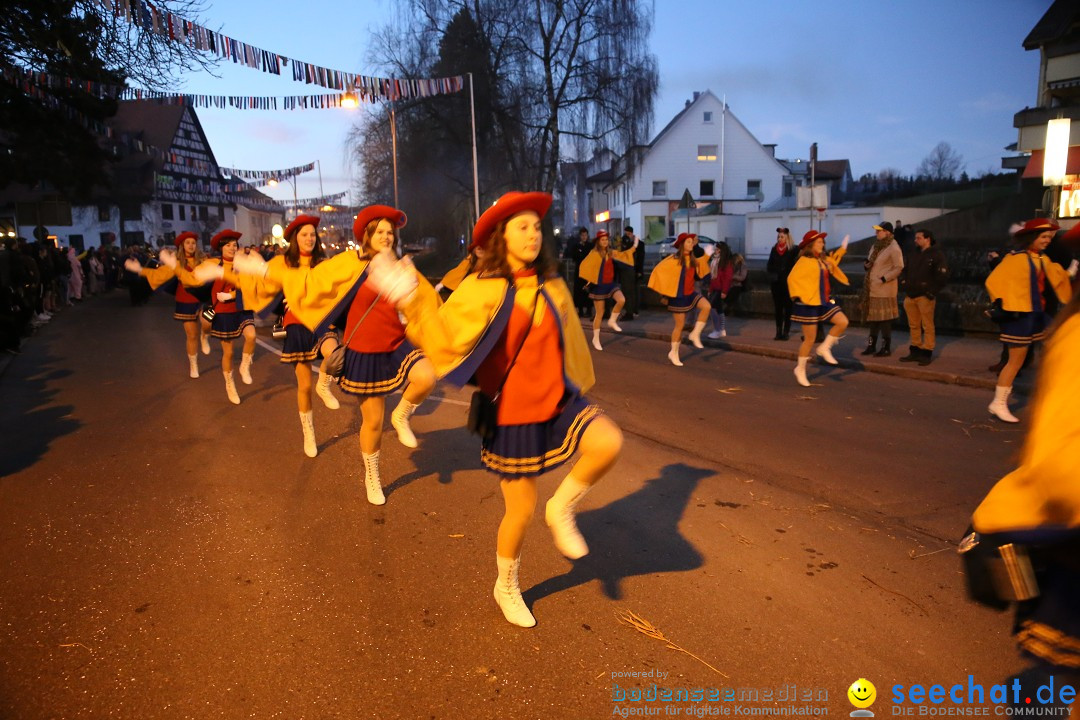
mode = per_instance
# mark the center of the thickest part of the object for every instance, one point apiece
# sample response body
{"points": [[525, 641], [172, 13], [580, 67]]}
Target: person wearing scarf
{"points": [[1021, 282], [880, 286], [782, 259]]}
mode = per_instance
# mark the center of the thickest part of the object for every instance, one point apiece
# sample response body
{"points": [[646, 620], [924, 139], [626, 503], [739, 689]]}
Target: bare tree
{"points": [[943, 163]]}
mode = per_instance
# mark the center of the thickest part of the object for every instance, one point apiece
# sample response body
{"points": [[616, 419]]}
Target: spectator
{"points": [[924, 275], [880, 287], [739, 273], [75, 276], [782, 258], [629, 274], [577, 249], [721, 267]]}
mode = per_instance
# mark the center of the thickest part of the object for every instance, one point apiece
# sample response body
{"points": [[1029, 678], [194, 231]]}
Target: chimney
{"points": [[771, 147], [696, 95]]}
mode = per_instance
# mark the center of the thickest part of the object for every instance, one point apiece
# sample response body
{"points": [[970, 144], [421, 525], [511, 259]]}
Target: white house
{"points": [[706, 151]]}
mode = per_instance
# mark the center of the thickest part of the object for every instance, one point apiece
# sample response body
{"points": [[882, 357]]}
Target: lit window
{"points": [[706, 153]]}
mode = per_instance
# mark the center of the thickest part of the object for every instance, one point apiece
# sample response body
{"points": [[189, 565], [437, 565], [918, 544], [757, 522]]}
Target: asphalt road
{"points": [[165, 554]]}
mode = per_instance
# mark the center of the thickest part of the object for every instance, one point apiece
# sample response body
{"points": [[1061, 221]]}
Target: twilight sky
{"points": [[879, 83]]}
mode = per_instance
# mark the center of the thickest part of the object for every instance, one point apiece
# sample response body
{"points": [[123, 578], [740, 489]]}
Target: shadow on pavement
{"points": [[30, 421], [636, 535]]}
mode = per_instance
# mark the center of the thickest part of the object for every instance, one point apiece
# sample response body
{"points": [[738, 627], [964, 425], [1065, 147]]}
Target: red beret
{"points": [[504, 208], [811, 236], [396, 217], [683, 237], [223, 237], [299, 222], [1038, 225], [184, 236]]}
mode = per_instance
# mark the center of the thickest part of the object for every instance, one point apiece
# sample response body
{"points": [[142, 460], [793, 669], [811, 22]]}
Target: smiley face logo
{"points": [[862, 693]]}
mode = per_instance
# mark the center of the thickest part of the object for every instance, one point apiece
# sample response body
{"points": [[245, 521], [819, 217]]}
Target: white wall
{"points": [[857, 222]]}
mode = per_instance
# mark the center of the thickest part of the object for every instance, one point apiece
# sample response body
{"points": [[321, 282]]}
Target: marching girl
{"points": [[1037, 506], [302, 346], [231, 319], [675, 278], [381, 354], [808, 285], [453, 278], [514, 326], [1021, 281], [178, 267], [599, 272]]}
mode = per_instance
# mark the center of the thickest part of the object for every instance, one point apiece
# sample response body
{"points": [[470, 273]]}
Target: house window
{"points": [[708, 116], [103, 213], [76, 241], [659, 188], [789, 188], [166, 211], [204, 212], [183, 211], [706, 189], [753, 187], [193, 215], [706, 153]]}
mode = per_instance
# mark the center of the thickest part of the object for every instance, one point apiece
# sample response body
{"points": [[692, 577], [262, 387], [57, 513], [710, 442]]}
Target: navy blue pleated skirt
{"points": [[683, 303], [602, 291], [813, 314], [374, 374], [186, 311], [533, 449], [229, 326], [1028, 328], [302, 345]]}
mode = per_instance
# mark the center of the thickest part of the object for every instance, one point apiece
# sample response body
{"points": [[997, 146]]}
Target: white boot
{"points": [[193, 365], [800, 371], [1000, 407], [311, 449], [205, 342], [673, 356], [245, 366], [322, 389], [824, 350], [508, 593], [695, 334], [596, 339], [400, 420], [559, 516], [612, 324], [230, 388], [372, 481]]}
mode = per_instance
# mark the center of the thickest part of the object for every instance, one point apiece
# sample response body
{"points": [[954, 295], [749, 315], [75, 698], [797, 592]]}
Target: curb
{"points": [[947, 378]]}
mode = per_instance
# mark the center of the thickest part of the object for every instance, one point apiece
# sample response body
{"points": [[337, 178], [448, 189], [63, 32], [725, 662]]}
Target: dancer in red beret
{"points": [[381, 355], [808, 285], [1019, 285], [675, 279], [302, 346], [513, 326], [601, 277], [231, 318], [176, 267]]}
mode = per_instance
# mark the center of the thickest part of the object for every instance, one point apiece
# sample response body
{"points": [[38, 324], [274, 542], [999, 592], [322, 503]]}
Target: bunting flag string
{"points": [[176, 29], [264, 175], [316, 201], [209, 187]]}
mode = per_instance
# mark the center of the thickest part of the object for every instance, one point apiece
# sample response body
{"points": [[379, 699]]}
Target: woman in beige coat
{"points": [[880, 286]]}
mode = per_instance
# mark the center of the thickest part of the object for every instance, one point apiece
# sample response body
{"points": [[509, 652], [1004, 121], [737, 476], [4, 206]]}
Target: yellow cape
{"points": [[804, 282], [665, 276], [589, 269], [452, 279], [1011, 281], [459, 335]]}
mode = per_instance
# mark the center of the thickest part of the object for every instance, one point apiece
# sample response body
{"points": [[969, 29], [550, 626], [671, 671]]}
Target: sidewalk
{"points": [[957, 360]]}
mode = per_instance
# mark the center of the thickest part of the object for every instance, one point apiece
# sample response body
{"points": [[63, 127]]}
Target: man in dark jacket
{"points": [[925, 274], [629, 276], [576, 251]]}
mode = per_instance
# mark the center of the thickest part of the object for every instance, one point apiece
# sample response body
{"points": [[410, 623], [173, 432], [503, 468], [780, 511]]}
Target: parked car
{"points": [[659, 251]]}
